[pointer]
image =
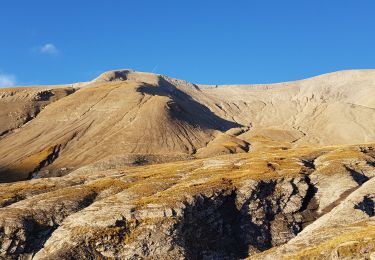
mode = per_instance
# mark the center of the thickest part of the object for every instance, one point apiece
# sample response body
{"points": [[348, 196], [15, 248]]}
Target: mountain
{"points": [[136, 165], [132, 117]]}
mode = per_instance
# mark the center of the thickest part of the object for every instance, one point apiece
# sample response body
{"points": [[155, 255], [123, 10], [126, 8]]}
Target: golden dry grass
{"points": [[355, 241]]}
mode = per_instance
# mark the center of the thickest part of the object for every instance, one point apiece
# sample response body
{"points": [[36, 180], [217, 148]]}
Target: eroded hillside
{"points": [[136, 165], [127, 117], [224, 207], [20, 105]]}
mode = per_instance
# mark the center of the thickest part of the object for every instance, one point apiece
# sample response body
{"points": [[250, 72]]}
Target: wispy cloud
{"points": [[49, 48], [7, 80]]}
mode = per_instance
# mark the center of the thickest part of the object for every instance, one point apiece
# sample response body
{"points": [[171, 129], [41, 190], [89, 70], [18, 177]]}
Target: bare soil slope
{"points": [[110, 119], [20, 105], [126, 117], [336, 108]]}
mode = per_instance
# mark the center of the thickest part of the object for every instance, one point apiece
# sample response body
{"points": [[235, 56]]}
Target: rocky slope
{"points": [[20, 105], [226, 207], [136, 165]]}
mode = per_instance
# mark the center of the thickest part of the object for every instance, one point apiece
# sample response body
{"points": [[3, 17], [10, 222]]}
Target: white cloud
{"points": [[7, 80], [49, 48]]}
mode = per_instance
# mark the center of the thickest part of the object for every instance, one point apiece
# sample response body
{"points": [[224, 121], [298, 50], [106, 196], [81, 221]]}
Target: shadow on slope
{"points": [[184, 107], [186, 130]]}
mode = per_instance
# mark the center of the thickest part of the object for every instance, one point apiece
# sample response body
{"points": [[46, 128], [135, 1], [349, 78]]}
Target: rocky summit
{"points": [[135, 165]]}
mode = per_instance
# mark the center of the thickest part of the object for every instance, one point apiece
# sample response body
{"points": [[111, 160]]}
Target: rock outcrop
{"points": [[229, 207]]}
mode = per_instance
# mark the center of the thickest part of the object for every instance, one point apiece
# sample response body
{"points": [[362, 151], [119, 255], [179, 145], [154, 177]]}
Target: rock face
{"points": [[141, 166]]}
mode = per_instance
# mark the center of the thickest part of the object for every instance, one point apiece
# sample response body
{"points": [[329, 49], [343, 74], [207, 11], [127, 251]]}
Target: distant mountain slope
{"points": [[126, 117], [336, 108]]}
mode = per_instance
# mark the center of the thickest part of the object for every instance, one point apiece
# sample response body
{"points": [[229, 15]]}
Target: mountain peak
{"points": [[114, 75], [128, 74]]}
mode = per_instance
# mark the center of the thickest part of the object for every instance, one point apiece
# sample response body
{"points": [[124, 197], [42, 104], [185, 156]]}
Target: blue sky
{"points": [[205, 41]]}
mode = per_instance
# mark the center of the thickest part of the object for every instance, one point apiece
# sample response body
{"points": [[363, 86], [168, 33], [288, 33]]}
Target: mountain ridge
{"points": [[129, 112]]}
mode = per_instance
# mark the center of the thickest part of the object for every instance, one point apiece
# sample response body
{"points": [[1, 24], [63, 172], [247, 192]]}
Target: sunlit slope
{"points": [[109, 119], [127, 117], [302, 203], [22, 104], [335, 108]]}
